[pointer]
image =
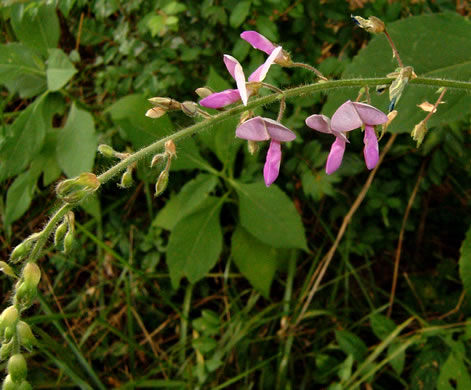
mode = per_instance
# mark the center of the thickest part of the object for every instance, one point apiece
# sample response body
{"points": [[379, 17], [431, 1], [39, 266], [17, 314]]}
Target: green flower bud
{"points": [[9, 317], [32, 274], [17, 368], [106, 150], [69, 242], [204, 92], [372, 24], [25, 294], [190, 108], [155, 112], [60, 233], [252, 146], [161, 184], [165, 103], [74, 190], [5, 350], [21, 251], [25, 385], [126, 180], [8, 384], [157, 159], [25, 335], [418, 133], [7, 270]]}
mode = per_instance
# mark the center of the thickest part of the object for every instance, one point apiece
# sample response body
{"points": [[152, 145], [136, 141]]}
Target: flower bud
{"points": [[155, 112], [20, 251], [74, 190], [32, 274], [165, 103], [170, 149], [284, 59], [204, 92], [69, 241], [419, 131], [161, 184], [372, 24], [60, 233], [126, 179], [157, 159], [7, 270], [190, 108], [9, 317], [25, 385], [8, 384], [106, 150], [25, 294], [252, 146], [17, 368], [26, 337], [245, 116], [6, 349]]}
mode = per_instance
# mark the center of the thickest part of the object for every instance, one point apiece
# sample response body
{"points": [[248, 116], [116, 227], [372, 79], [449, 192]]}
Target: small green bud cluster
{"points": [[27, 286], [65, 233], [17, 370], [169, 154], [22, 250], [74, 190]]}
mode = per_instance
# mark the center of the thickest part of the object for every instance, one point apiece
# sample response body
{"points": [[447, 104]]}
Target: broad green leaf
{"points": [[351, 344], [77, 143], [437, 46], [397, 362], [254, 259], [47, 159], [39, 30], [382, 326], [195, 243], [268, 28], [19, 196], [465, 262], [186, 202], [217, 82], [269, 215], [59, 69], [22, 70], [25, 138], [129, 113], [239, 13], [454, 369]]}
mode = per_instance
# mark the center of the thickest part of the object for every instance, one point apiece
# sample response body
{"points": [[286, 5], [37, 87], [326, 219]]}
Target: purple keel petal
{"points": [[346, 118], [371, 149], [258, 41], [254, 130], [370, 115], [272, 163], [334, 160], [320, 123], [261, 72], [277, 131], [221, 99]]}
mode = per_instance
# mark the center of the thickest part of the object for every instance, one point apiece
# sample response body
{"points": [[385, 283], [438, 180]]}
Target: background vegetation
{"points": [[118, 313]]}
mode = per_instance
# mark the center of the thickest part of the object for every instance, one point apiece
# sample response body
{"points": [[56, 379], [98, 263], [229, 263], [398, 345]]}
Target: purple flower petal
{"points": [[277, 131], [346, 118], [254, 130], [334, 160], [236, 71], [221, 99], [370, 115], [371, 149], [272, 163], [261, 72], [258, 41], [320, 123]]}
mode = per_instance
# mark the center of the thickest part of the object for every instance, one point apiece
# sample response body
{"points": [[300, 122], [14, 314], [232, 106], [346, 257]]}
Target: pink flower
{"points": [[350, 116], [263, 129], [259, 42], [229, 96]]}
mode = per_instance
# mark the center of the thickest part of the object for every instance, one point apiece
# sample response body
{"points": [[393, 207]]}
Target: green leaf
{"points": [[454, 369], [25, 138], [269, 215], [19, 196], [382, 326], [129, 113], [351, 344], [77, 143], [59, 69], [436, 45], [398, 361], [216, 81], [255, 260], [267, 28], [465, 262], [39, 30], [47, 159], [345, 370], [195, 243], [239, 13], [187, 201], [22, 70]]}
